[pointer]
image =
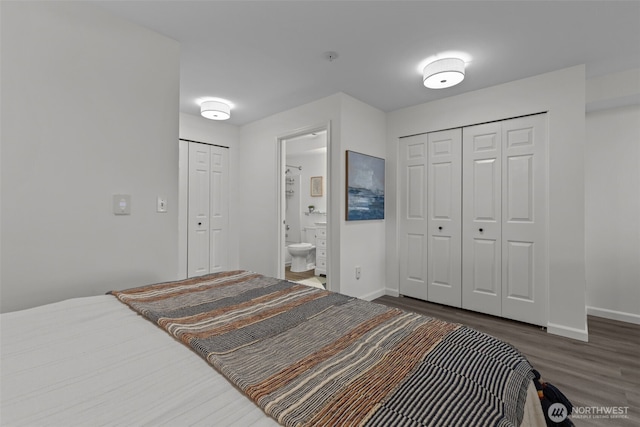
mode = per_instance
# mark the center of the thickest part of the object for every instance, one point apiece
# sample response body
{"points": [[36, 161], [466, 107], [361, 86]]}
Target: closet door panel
{"points": [[198, 210], [219, 210], [524, 192], [413, 216], [444, 218], [481, 218]]}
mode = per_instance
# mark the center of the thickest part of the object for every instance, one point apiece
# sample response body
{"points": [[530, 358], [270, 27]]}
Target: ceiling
{"points": [[270, 56]]}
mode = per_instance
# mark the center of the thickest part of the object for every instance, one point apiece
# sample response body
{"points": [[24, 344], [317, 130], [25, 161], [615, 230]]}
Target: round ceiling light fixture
{"points": [[215, 110], [443, 73]]}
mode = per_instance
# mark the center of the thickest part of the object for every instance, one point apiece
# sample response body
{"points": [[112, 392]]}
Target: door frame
{"points": [[280, 196]]}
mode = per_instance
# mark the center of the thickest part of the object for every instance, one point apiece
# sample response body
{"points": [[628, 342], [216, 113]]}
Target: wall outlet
{"points": [[358, 272]]}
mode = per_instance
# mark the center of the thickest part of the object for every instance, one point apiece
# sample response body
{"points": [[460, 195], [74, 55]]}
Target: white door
{"points": [[198, 210], [444, 185], [413, 216], [524, 195], [207, 225], [219, 209], [504, 270], [481, 218]]}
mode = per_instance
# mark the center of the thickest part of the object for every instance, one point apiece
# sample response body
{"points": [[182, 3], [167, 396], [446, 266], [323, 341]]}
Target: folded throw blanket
{"points": [[312, 357]]}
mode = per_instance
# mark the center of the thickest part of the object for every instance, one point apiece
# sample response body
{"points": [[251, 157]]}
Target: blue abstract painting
{"points": [[365, 187]]}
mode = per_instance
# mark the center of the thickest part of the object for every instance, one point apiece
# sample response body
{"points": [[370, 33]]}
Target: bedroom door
{"points": [[207, 226]]}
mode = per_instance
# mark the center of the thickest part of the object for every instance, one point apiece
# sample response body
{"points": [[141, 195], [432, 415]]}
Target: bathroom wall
{"points": [[293, 209], [314, 163]]}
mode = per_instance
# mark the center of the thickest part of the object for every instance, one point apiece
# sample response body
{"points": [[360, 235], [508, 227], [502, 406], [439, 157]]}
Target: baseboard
{"points": [[392, 292], [567, 332], [373, 295], [614, 315]]}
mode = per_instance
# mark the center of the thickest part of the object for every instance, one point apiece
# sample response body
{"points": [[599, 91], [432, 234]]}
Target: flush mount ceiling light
{"points": [[215, 110], [443, 73]]}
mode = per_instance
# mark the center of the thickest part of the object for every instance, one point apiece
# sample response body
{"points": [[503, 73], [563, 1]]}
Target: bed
{"points": [[242, 349]]}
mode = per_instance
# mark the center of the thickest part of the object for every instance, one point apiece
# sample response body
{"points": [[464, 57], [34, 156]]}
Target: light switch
{"points": [[162, 204], [122, 204]]}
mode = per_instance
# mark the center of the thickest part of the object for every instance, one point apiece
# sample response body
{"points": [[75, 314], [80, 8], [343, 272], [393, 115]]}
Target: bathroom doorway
{"points": [[304, 207]]}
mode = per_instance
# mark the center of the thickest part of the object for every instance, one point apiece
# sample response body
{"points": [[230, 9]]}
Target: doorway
{"points": [[304, 207]]}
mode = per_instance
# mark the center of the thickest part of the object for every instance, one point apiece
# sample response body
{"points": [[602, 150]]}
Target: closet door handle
{"points": [[440, 228], [199, 223], [480, 230]]}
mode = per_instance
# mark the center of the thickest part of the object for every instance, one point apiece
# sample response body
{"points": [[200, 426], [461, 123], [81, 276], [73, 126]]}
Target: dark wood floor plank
{"points": [[604, 372]]}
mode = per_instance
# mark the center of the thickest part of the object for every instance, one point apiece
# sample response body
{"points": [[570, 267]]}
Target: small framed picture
{"points": [[316, 186]]}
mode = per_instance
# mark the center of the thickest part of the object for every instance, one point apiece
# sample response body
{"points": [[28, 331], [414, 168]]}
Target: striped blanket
{"points": [[317, 358]]}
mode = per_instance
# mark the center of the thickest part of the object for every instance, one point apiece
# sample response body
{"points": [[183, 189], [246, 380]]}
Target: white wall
{"points": [[199, 129], [259, 178], [89, 109], [612, 184], [562, 95], [353, 244], [313, 164], [362, 243]]}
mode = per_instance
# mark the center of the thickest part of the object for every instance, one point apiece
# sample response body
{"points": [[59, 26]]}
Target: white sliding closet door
{"points": [[524, 243], [207, 226], [482, 224], [413, 216], [444, 185]]}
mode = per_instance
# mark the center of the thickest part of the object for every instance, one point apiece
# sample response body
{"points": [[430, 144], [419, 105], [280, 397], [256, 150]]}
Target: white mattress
{"points": [[90, 361]]}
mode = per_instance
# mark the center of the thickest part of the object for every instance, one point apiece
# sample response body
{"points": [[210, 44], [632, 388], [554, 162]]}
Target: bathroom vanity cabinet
{"points": [[321, 249]]}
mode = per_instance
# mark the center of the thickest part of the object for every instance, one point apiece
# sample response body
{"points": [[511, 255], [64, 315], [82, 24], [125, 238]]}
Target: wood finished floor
{"points": [[604, 372]]}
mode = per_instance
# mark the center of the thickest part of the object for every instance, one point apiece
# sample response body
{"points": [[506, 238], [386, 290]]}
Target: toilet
{"points": [[303, 255], [299, 254]]}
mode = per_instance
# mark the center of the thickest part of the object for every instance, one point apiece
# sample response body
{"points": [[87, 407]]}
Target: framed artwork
{"points": [[316, 186], [365, 187]]}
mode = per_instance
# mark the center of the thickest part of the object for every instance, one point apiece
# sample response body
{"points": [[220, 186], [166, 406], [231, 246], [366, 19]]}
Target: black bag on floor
{"points": [[549, 394]]}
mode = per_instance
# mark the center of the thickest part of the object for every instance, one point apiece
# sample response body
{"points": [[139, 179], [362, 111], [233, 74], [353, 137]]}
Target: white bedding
{"points": [[92, 361], [89, 361]]}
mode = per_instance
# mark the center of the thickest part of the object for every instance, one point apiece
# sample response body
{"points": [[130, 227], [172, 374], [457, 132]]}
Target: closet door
{"points": [[482, 222], [208, 209], [524, 195], [218, 209], [198, 210], [444, 185], [413, 216]]}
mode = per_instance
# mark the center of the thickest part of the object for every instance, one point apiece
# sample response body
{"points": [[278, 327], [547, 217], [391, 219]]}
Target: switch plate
{"points": [[162, 204], [122, 204], [358, 272]]}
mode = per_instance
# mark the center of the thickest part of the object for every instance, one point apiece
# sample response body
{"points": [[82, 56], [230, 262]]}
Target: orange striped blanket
{"points": [[310, 357]]}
